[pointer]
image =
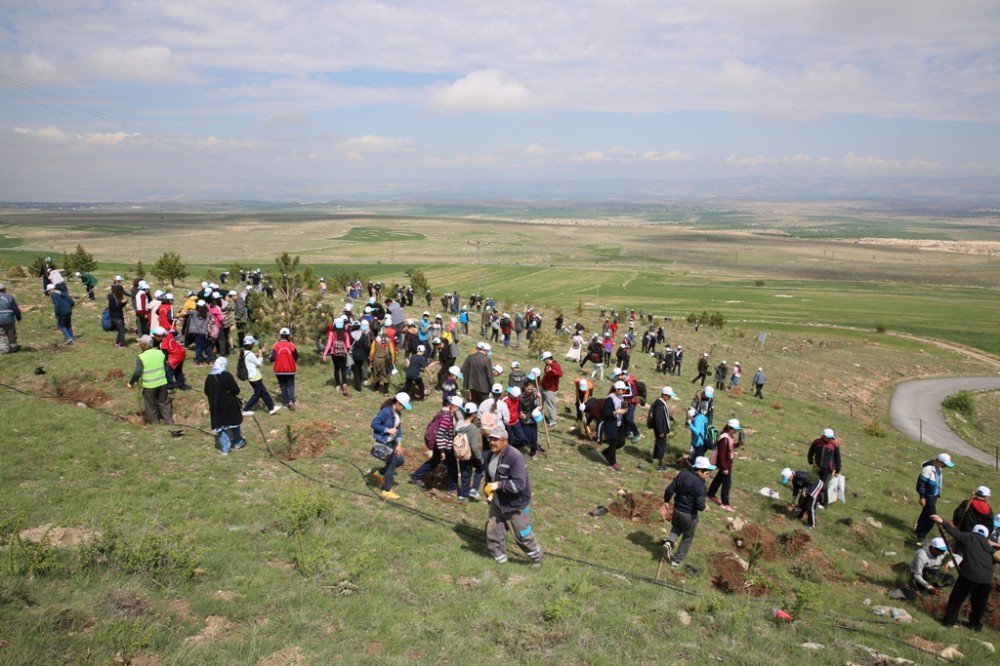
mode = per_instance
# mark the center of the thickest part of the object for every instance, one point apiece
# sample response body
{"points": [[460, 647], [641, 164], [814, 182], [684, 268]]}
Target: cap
{"points": [[615, 372], [368, 310], [734, 424], [724, 363], [498, 432], [436, 341], [168, 296], [582, 384], [421, 348], [349, 307], [546, 355], [455, 370], [456, 400], [118, 278], [620, 386], [514, 365], [404, 400], [536, 372], [828, 433], [159, 330], [231, 293], [666, 390], [981, 530], [705, 354], [2, 286], [426, 313], [702, 463], [606, 334], [498, 369], [946, 459], [76, 274], [514, 391], [438, 316], [249, 340], [996, 520], [365, 325], [470, 408], [983, 491], [691, 411], [786, 475], [938, 542], [709, 392], [497, 388]]}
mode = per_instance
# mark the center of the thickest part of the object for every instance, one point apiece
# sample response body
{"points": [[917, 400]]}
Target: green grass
{"points": [[297, 570], [378, 235], [981, 427], [10, 241], [106, 229]]}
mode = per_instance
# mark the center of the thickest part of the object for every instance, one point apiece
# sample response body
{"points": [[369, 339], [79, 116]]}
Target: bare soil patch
{"points": [[798, 546], [72, 390], [730, 577], [60, 537], [114, 374], [312, 438], [637, 508], [754, 535], [215, 627]]}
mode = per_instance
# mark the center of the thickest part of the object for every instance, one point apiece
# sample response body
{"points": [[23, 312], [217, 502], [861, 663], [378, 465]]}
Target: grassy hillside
{"points": [[189, 557]]}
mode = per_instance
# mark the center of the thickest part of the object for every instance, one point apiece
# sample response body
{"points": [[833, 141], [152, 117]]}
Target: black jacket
{"points": [[223, 403], [688, 492], [977, 563], [661, 418]]}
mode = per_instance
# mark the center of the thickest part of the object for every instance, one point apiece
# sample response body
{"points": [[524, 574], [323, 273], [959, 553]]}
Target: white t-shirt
{"points": [[502, 412]]}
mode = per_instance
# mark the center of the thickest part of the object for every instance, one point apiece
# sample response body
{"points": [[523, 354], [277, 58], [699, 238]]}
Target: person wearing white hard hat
{"points": [[929, 486], [612, 429], [252, 364], [975, 573], [440, 439], [974, 511], [824, 456], [687, 491], [477, 373], [703, 369], [929, 565], [659, 420], [285, 358], [806, 490], [387, 429], [414, 374], [726, 447]]}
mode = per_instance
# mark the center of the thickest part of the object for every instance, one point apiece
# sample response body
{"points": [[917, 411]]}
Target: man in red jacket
{"points": [[285, 358], [550, 387], [175, 353], [726, 445]]}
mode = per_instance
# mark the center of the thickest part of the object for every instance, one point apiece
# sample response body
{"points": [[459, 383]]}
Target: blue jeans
{"points": [[65, 326], [202, 349], [287, 385], [259, 393], [924, 522], [389, 471], [467, 467], [227, 437], [450, 465]]}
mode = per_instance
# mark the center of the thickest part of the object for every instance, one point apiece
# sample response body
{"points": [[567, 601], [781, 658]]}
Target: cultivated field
{"points": [[168, 553]]}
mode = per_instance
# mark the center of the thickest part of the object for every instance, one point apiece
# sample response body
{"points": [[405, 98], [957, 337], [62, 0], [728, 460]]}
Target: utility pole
{"points": [[478, 244]]}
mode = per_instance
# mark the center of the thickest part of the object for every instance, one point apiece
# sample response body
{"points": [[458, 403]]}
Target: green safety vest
{"points": [[154, 375]]}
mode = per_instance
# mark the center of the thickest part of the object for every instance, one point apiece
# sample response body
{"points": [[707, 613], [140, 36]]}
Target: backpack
{"points": [[241, 368], [711, 437], [489, 420], [430, 432], [649, 417], [339, 346], [106, 320], [825, 458], [463, 451], [640, 388]]}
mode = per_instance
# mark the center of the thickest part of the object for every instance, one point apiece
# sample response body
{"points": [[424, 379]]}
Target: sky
{"points": [[309, 99]]}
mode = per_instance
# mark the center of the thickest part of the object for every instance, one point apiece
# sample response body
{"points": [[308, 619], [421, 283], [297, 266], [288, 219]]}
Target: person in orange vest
{"points": [[285, 358]]}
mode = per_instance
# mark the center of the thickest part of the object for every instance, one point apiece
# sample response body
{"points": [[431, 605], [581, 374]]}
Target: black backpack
{"points": [[641, 390], [241, 368]]}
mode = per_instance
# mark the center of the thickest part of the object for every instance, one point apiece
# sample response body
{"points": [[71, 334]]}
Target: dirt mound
{"points": [[756, 536], [794, 543], [59, 537], [731, 578], [798, 546], [936, 606], [113, 375], [72, 390], [311, 439], [641, 508]]}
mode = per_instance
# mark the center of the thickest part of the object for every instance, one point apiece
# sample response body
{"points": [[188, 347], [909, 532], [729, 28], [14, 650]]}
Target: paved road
{"points": [[920, 400]]}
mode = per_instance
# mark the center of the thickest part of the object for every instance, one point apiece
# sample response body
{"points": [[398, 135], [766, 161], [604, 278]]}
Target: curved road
{"points": [[920, 400]]}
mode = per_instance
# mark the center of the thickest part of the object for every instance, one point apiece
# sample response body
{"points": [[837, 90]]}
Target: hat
{"points": [[736, 362], [723, 363], [2, 286], [365, 325], [705, 354], [470, 408], [146, 341], [231, 293], [387, 321], [514, 365], [249, 340], [371, 300], [582, 384], [159, 330], [498, 369], [620, 386], [438, 316], [666, 390], [338, 323], [709, 392], [457, 401], [118, 278], [691, 411], [758, 369], [536, 372], [484, 346], [734, 424], [828, 433], [983, 491], [455, 370], [437, 341], [946, 459], [426, 314], [168, 296], [143, 284], [786, 475], [996, 520], [615, 372], [938, 542], [284, 331], [702, 463], [498, 432], [192, 293], [515, 391], [421, 348], [368, 310], [606, 334], [76, 274], [546, 355], [536, 415], [349, 307], [454, 320], [404, 400], [981, 530], [497, 388]]}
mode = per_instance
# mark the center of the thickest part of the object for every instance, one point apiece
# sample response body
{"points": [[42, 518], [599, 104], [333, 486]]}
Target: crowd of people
{"points": [[488, 425]]}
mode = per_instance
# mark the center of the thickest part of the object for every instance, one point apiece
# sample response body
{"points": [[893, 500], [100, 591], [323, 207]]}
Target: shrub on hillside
{"points": [[874, 428], [960, 402], [880, 327]]}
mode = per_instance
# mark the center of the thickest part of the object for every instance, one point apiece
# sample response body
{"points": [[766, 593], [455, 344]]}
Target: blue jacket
{"points": [[384, 420], [62, 304], [930, 481], [697, 428], [688, 492], [514, 492]]}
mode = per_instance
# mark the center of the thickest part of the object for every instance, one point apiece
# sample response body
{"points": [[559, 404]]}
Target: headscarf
{"points": [[219, 366]]}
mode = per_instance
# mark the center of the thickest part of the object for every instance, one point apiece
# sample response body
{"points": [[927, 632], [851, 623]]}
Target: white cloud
{"points": [[669, 156], [146, 64], [47, 134], [484, 90], [106, 138], [357, 148]]}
